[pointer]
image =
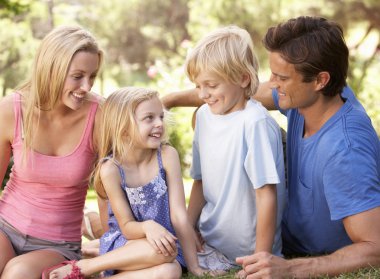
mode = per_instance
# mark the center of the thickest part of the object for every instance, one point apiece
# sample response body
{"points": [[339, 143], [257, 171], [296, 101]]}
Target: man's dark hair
{"points": [[313, 45]]}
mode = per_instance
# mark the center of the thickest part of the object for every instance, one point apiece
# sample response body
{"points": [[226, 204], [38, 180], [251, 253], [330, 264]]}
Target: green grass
{"points": [[365, 273]]}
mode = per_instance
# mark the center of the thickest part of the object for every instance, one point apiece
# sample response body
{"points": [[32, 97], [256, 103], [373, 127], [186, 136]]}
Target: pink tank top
{"points": [[44, 198]]}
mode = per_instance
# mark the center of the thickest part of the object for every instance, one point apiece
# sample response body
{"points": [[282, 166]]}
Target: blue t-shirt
{"points": [[333, 174]]}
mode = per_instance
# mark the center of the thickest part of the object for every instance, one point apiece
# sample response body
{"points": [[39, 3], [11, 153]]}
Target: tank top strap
{"points": [[87, 136], [118, 165], [19, 131], [160, 165]]}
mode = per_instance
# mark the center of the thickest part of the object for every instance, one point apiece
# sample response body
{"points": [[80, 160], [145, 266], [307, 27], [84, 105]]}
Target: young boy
{"points": [[238, 193]]}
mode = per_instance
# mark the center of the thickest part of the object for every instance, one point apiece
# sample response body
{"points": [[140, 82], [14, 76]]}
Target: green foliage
{"points": [[6, 177], [146, 41], [10, 8]]}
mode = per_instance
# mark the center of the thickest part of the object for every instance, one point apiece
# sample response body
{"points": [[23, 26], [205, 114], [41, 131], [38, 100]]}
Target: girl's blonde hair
{"points": [[118, 129], [45, 85], [228, 53]]}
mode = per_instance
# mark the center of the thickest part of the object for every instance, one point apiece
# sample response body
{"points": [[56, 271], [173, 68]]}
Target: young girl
{"points": [[141, 178]]}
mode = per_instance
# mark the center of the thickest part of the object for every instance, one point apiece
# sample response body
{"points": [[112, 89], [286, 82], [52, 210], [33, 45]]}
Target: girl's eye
{"points": [[77, 77]]}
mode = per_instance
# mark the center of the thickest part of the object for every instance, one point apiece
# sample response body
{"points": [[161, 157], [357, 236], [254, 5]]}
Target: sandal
{"points": [[75, 271]]}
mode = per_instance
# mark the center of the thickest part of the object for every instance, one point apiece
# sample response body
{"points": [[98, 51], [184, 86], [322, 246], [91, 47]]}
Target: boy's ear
{"points": [[245, 80]]}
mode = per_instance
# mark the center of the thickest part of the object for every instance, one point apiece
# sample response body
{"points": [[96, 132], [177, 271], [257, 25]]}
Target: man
{"points": [[333, 156]]}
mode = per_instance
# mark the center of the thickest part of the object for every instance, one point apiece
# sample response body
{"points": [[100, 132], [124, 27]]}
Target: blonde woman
{"points": [[149, 234], [47, 126]]}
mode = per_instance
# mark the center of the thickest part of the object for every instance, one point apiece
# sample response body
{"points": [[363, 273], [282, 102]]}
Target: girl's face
{"points": [[80, 78], [221, 96], [149, 116]]}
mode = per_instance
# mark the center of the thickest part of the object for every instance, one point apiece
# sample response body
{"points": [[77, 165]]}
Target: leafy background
{"points": [[146, 42]]}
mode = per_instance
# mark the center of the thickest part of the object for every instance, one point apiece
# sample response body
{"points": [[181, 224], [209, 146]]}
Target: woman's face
{"points": [[80, 78]]}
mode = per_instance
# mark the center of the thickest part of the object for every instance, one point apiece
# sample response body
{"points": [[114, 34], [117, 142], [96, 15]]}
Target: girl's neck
{"points": [[137, 156]]}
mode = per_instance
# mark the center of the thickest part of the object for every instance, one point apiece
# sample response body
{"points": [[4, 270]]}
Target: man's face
{"points": [[292, 91]]}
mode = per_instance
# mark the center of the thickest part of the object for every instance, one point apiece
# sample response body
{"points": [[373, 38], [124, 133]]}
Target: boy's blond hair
{"points": [[228, 53]]}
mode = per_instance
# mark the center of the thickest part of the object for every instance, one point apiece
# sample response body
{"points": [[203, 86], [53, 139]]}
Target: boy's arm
{"points": [[266, 208], [196, 202]]}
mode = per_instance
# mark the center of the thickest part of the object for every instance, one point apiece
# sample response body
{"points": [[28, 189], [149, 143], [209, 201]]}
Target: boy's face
{"points": [[292, 91], [222, 96]]}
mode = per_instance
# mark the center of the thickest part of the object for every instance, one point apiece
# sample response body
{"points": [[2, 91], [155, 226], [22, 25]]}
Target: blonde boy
{"points": [[238, 193]]}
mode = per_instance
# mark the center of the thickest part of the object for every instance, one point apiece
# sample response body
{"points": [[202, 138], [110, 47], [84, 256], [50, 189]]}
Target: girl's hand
{"points": [[160, 238]]}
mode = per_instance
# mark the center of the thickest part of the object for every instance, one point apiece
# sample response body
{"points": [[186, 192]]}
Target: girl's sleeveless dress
{"points": [[148, 202]]}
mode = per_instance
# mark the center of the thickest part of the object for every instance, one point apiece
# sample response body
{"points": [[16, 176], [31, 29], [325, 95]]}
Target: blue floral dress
{"points": [[148, 202]]}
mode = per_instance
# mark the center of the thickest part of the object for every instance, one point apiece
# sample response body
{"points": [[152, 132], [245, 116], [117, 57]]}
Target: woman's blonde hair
{"points": [[51, 63], [118, 129], [228, 53]]}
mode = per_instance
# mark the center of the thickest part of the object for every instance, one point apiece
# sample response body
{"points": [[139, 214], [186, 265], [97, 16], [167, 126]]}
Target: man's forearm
{"points": [[347, 259], [186, 98]]}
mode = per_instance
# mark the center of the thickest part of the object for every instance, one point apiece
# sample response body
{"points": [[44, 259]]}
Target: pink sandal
{"points": [[75, 271]]}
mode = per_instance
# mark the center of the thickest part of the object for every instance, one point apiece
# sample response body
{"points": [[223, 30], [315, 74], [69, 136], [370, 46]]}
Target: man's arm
{"points": [[264, 96], [186, 98], [189, 98], [363, 229]]}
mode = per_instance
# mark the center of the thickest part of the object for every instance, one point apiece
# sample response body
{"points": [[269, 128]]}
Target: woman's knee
{"points": [[16, 270]]}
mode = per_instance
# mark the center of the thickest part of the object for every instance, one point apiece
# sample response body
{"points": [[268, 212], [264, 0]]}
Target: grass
{"points": [[365, 273]]}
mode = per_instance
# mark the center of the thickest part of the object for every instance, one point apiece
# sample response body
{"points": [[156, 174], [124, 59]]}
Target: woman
{"points": [[47, 126]]}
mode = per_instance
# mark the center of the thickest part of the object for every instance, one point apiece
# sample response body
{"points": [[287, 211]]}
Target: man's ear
{"points": [[322, 79]]}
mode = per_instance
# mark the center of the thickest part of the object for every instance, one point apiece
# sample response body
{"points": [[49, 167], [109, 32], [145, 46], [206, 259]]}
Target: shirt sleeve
{"points": [[351, 182], [260, 162]]}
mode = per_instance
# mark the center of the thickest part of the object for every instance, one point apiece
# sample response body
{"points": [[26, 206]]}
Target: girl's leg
{"points": [[7, 252], [136, 254], [31, 264], [163, 271]]}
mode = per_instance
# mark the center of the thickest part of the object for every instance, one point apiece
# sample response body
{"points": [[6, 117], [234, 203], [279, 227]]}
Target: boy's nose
{"points": [[203, 94]]}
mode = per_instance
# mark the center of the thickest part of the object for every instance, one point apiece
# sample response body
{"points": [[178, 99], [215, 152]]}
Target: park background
{"points": [[146, 42]]}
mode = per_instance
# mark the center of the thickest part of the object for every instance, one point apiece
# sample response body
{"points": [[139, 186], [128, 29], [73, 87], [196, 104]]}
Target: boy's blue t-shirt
{"points": [[333, 174]]}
